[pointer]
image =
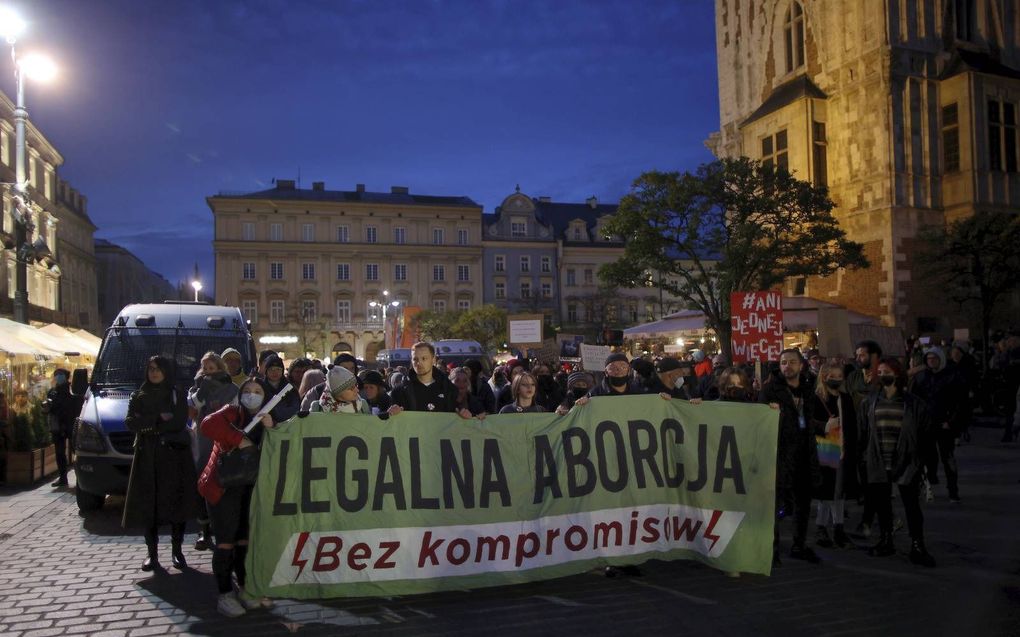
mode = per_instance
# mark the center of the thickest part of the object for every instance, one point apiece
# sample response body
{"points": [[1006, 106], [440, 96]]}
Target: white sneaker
{"points": [[251, 603], [229, 606]]}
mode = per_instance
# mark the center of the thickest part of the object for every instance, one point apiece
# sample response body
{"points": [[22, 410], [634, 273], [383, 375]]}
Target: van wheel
{"points": [[88, 502]]}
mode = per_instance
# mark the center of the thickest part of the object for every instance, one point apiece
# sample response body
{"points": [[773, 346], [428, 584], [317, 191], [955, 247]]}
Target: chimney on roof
{"points": [[285, 184], [592, 202], [545, 199], [319, 185], [359, 187], [398, 190]]}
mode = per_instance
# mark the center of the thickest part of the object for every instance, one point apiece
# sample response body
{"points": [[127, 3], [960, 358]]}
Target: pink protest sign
{"points": [[757, 326]]}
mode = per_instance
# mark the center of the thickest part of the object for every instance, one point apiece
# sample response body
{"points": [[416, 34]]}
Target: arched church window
{"points": [[793, 33]]}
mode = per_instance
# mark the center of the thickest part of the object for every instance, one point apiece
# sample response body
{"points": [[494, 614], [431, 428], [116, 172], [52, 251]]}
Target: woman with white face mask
{"points": [[228, 507]]}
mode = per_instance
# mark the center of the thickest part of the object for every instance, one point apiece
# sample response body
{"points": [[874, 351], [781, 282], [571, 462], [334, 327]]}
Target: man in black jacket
{"points": [[427, 388], [62, 408], [945, 392], [796, 452]]}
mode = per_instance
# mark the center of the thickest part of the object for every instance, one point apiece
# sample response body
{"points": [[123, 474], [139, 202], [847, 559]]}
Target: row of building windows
{"points": [[343, 234], [343, 272], [308, 311], [545, 290], [1002, 137]]}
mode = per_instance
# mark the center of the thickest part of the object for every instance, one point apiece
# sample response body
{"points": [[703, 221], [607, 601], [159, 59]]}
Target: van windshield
{"points": [[126, 350]]}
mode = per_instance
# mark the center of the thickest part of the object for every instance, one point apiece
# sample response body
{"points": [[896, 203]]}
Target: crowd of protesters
{"points": [[848, 431]]}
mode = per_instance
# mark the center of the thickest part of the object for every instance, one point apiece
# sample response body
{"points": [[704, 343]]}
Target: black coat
{"points": [[908, 460], [442, 393], [63, 408], [162, 488], [849, 463], [796, 451], [288, 406]]}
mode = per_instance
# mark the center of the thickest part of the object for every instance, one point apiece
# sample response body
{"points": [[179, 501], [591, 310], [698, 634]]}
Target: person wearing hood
{"points": [[273, 384], [427, 388], [213, 388], [232, 359], [547, 393], [341, 395], [944, 392], [161, 487], [702, 365], [480, 387], [673, 377], [397, 379], [373, 390], [579, 383], [61, 408], [504, 396], [797, 472]]}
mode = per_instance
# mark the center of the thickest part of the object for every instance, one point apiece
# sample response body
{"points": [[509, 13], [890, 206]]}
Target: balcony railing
{"points": [[372, 324]]}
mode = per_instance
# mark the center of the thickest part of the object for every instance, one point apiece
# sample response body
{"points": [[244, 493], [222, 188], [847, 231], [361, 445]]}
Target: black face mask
{"points": [[577, 392], [737, 393], [887, 380], [617, 381], [833, 384]]}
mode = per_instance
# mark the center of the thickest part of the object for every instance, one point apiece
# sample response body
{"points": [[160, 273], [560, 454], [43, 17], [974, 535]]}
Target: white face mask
{"points": [[679, 382], [251, 401]]}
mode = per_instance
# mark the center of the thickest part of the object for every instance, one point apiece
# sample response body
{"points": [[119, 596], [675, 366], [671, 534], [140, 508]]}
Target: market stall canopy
{"points": [[800, 314], [73, 342], [39, 343]]}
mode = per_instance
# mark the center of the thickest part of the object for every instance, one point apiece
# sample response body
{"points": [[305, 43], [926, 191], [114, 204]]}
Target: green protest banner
{"points": [[350, 505]]}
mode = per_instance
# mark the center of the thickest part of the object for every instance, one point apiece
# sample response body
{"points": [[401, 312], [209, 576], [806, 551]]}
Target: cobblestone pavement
{"points": [[61, 574]]}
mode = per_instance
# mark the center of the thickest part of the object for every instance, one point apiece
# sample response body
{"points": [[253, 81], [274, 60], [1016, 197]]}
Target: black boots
{"points": [[800, 551], [885, 546], [839, 536], [919, 554], [176, 554], [822, 538], [151, 562], [204, 541]]}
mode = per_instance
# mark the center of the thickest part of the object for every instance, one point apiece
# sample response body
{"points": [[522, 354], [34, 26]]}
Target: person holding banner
{"points": [[273, 384], [892, 425], [834, 420], [228, 507], [617, 381], [461, 379], [427, 388], [796, 454], [578, 385], [341, 394], [523, 391]]}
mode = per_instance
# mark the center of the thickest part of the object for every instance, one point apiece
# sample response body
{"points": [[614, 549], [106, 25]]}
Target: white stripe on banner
{"points": [[447, 551]]}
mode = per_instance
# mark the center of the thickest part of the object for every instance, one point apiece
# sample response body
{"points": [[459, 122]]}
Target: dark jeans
{"points": [[880, 494], [942, 448], [801, 512], [60, 443]]}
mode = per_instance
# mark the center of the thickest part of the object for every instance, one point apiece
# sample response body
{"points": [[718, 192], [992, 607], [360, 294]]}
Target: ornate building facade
{"points": [[310, 268], [61, 276], [906, 110]]}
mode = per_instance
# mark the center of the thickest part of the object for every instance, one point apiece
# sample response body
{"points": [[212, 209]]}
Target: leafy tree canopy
{"points": [[733, 225], [485, 324]]}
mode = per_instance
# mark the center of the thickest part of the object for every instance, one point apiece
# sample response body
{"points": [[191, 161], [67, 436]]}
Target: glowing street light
{"points": [[38, 68], [198, 288]]}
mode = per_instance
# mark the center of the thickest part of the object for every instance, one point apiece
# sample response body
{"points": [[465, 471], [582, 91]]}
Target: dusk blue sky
{"points": [[161, 104]]}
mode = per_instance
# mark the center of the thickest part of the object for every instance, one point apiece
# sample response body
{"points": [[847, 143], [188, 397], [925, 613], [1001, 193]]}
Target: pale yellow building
{"points": [[906, 110], [79, 295], [305, 264]]}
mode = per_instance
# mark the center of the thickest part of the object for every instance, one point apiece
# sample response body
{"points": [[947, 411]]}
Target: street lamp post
{"points": [[40, 68], [198, 288], [384, 305]]}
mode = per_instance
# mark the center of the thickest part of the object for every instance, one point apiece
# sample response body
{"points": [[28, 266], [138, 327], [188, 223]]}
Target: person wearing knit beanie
{"points": [[580, 378], [341, 395]]}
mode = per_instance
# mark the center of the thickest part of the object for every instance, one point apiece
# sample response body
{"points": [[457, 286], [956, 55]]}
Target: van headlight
{"points": [[88, 438]]}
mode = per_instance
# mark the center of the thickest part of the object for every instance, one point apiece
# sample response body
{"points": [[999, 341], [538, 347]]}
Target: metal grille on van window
{"points": [[126, 351], [123, 442]]}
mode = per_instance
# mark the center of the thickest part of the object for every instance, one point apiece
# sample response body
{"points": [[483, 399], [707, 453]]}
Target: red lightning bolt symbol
{"points": [[711, 525], [298, 561]]}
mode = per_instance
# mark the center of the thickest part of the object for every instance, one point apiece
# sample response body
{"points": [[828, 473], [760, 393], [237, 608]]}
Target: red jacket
{"points": [[224, 428], [704, 368]]}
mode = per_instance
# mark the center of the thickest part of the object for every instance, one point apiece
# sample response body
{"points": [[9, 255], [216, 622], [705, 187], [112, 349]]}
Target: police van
{"points": [[456, 351], [393, 358], [181, 332]]}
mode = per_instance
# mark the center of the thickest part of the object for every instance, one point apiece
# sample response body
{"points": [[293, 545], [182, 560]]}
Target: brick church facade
{"points": [[905, 109]]}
